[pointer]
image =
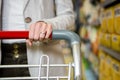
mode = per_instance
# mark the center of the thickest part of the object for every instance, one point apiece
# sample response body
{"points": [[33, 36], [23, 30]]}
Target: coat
{"points": [[59, 13]]}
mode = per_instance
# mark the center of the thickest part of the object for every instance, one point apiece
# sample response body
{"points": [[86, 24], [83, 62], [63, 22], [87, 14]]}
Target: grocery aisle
{"points": [[100, 34]]}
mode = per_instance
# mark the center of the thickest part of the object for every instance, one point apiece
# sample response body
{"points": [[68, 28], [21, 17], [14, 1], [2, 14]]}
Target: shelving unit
{"points": [[109, 3], [111, 52], [95, 58], [90, 74]]}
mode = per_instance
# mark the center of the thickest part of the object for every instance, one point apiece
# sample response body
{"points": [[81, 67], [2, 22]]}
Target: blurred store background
{"points": [[98, 25]]}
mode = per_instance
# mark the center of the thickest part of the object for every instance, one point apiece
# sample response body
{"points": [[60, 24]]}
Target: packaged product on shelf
{"points": [[102, 38], [116, 42], [102, 67], [103, 21], [104, 41], [108, 69], [102, 77], [102, 57], [116, 69], [110, 19], [108, 40], [117, 18]]}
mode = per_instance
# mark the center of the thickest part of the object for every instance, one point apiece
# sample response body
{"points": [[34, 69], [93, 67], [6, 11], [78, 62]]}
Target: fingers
{"points": [[38, 32], [43, 32], [31, 31], [49, 31]]}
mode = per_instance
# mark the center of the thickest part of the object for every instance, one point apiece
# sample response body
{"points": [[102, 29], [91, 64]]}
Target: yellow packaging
{"points": [[117, 18], [108, 40], [101, 38], [110, 20], [103, 21], [116, 70], [104, 39], [116, 42], [102, 57], [102, 77], [108, 69]]}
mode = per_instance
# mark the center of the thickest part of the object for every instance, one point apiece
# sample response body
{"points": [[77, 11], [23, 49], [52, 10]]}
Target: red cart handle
{"points": [[15, 35]]}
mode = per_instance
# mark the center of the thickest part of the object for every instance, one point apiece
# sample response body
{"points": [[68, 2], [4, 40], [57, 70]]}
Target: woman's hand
{"points": [[39, 31]]}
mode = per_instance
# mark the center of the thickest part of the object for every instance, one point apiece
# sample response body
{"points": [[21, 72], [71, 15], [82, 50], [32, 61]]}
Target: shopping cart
{"points": [[71, 37]]}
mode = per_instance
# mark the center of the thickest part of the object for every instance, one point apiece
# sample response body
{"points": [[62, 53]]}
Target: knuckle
{"points": [[50, 26], [44, 25], [38, 24], [50, 29], [30, 36], [35, 38]]}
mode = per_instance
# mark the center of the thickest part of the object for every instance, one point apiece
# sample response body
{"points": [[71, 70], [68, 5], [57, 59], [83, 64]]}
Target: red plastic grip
{"points": [[15, 35]]}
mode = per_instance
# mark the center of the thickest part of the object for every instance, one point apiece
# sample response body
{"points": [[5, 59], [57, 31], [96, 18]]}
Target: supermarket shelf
{"points": [[109, 3], [93, 62], [88, 70], [111, 52]]}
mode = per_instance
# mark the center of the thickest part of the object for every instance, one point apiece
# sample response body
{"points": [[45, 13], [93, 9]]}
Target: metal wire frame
{"points": [[47, 65], [70, 36]]}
